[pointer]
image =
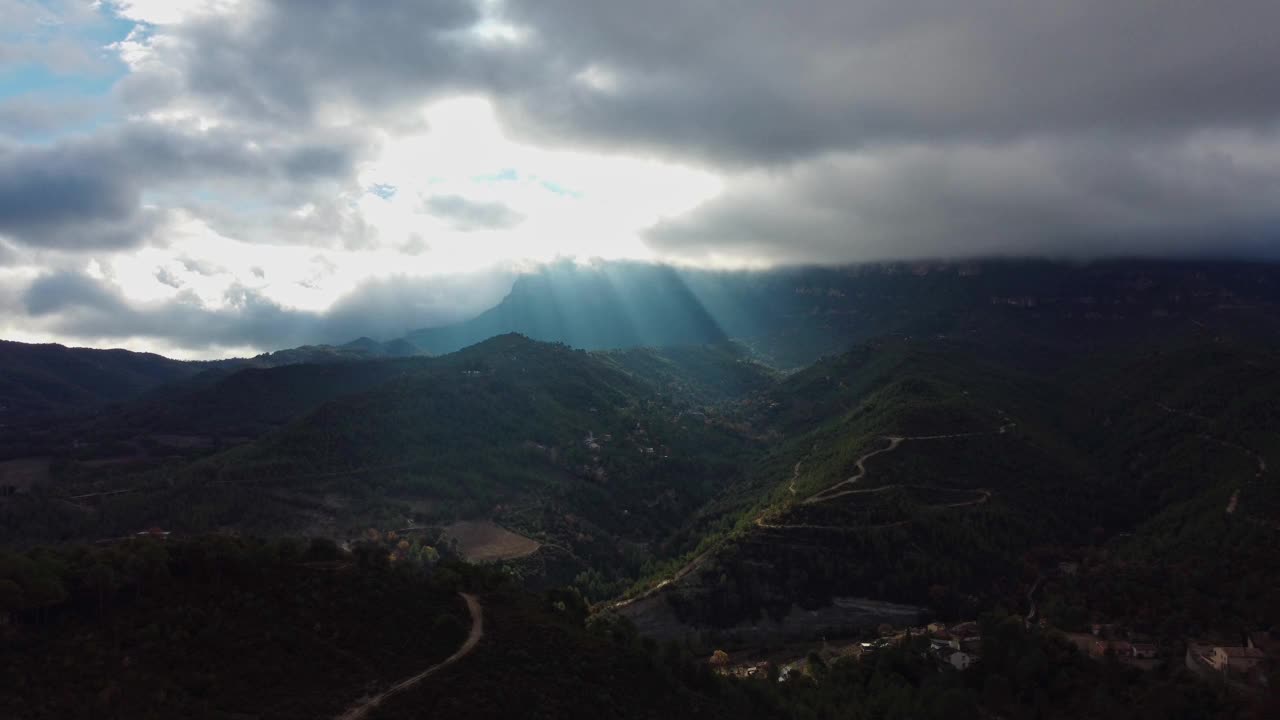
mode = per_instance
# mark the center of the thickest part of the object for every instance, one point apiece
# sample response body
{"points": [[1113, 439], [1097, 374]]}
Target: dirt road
{"points": [[894, 442], [820, 496], [364, 705]]}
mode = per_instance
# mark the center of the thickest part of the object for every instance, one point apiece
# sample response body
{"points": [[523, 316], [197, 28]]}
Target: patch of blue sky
{"points": [[36, 77], [503, 175], [383, 190], [559, 189]]}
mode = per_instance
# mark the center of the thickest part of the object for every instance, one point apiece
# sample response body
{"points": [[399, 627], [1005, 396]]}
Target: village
{"points": [[953, 647], [1242, 665]]}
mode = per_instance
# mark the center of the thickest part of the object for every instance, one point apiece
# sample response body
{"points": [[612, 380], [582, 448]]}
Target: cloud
{"points": [[1210, 195], [63, 199], [87, 192], [35, 115], [293, 60], [469, 214], [80, 307], [775, 82], [267, 156]]}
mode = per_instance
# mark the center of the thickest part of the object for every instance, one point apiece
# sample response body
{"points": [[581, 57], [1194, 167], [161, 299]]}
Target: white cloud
{"points": [[170, 12]]}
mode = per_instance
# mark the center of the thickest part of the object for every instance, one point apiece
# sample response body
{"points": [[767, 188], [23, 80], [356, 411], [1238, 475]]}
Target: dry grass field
{"points": [[483, 541]]}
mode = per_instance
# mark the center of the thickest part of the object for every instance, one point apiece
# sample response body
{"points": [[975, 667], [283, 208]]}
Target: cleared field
{"points": [[24, 472], [483, 541]]}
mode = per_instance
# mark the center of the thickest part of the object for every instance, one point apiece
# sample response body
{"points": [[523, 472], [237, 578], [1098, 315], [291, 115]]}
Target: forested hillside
{"points": [[919, 472], [40, 380]]}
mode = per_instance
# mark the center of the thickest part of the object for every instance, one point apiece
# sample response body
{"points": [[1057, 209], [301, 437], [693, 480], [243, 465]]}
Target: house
{"points": [[960, 660], [1235, 659], [1100, 648], [1145, 650], [938, 630]]}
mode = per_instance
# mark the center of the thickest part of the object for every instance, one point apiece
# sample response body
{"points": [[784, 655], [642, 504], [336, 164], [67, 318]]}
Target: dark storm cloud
{"points": [[60, 198], [472, 215], [87, 193], [284, 60], [75, 305], [1029, 89], [764, 81], [1082, 198]]}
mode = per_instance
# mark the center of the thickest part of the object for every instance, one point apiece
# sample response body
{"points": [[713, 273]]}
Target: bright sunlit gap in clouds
{"points": [[456, 196]]}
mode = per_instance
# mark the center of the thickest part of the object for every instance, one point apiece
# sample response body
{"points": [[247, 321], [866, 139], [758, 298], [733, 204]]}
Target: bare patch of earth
{"points": [[485, 541]]}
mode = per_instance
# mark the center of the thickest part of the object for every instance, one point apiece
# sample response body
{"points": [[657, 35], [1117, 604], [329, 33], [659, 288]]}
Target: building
{"points": [[1145, 650], [937, 629], [1235, 659]]}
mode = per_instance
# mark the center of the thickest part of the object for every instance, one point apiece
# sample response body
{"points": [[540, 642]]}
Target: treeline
{"points": [[216, 626]]}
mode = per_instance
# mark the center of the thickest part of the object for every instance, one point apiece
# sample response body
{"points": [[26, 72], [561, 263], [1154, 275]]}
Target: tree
{"points": [[11, 598], [44, 590], [102, 580], [719, 659], [447, 630]]}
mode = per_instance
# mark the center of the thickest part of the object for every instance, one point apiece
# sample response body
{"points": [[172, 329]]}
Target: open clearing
{"points": [[483, 541]]}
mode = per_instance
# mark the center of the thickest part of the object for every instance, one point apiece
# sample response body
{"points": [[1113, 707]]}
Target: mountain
{"points": [[39, 381], [50, 379], [609, 305], [922, 472], [787, 318], [363, 348], [572, 448], [791, 317]]}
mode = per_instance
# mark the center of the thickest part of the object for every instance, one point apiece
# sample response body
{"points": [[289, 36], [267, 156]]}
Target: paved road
{"points": [[362, 708]]}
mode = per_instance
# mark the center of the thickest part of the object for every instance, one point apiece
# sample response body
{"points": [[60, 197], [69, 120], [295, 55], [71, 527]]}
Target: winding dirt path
{"points": [[894, 442], [364, 705], [821, 496]]}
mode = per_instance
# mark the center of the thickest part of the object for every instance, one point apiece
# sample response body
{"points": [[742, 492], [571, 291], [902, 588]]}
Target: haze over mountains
{"points": [[787, 318]]}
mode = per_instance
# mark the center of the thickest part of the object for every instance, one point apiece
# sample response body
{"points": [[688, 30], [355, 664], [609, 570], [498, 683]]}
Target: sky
{"points": [[205, 178]]}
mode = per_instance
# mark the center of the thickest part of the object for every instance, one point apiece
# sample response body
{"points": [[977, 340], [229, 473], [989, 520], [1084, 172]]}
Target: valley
{"points": [[705, 496]]}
